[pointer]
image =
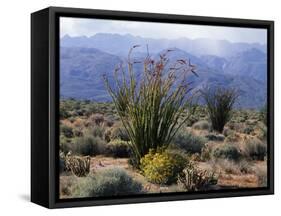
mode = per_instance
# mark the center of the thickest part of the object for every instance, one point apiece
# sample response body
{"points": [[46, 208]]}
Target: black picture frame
{"points": [[45, 105]]}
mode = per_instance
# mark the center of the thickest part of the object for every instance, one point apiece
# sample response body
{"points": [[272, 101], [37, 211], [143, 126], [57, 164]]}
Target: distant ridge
{"points": [[120, 44], [82, 70]]}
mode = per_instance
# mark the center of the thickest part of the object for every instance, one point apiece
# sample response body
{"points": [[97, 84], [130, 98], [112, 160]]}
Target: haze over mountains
{"points": [[84, 60]]}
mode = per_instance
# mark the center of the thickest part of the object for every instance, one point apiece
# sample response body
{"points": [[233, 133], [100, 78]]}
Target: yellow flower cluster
{"points": [[162, 166]]}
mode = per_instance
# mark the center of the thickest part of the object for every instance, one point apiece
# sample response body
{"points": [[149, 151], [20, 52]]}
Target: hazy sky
{"points": [[89, 27]]}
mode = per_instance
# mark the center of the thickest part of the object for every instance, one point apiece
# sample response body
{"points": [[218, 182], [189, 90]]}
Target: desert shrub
{"points": [[66, 185], [151, 108], [66, 131], [206, 152], [79, 123], [245, 167], [88, 145], [107, 183], [233, 167], [261, 173], [64, 113], [261, 132], [227, 131], [194, 179], [201, 125], [77, 132], [107, 134], [117, 148], [65, 144], [255, 149], [227, 151], [62, 165], [226, 166], [109, 122], [248, 130], [263, 114], [96, 131], [195, 157], [234, 125], [162, 166], [188, 142], [219, 102], [192, 120], [97, 119], [233, 137], [215, 137], [118, 132]]}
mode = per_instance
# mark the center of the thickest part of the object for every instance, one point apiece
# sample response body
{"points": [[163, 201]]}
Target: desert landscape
{"points": [[235, 158], [144, 113]]}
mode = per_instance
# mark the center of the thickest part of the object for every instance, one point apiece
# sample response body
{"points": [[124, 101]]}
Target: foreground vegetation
{"points": [[166, 140], [198, 157]]}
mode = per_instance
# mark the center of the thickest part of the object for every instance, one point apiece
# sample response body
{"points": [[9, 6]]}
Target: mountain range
{"points": [[120, 44], [84, 61]]}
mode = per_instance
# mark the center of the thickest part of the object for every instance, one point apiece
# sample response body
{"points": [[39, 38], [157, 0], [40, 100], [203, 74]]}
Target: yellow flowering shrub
{"points": [[162, 166]]}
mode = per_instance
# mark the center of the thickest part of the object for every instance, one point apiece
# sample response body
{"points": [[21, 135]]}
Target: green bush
{"points": [[107, 183], [117, 148], [255, 149], [88, 145], [219, 102], [188, 142], [162, 166], [227, 151], [66, 131]]}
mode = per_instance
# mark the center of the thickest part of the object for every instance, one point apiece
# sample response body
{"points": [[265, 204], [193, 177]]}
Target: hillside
{"points": [[82, 71]]}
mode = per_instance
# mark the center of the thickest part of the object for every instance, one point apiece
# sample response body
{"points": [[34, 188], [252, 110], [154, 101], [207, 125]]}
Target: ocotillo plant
{"points": [[219, 102], [151, 107]]}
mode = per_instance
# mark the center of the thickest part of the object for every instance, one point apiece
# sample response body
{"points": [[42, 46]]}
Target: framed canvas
{"points": [[138, 107]]}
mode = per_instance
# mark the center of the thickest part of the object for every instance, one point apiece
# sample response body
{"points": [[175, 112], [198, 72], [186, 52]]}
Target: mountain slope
{"points": [[251, 63], [82, 71]]}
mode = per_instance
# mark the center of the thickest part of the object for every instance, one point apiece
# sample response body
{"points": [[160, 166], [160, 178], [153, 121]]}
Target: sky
{"points": [[89, 27]]}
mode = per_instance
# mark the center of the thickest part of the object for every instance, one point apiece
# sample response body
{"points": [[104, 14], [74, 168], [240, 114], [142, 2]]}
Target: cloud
{"points": [[90, 27]]}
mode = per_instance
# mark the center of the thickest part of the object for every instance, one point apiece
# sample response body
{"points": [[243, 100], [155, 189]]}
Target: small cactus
{"points": [[79, 166], [194, 179]]}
